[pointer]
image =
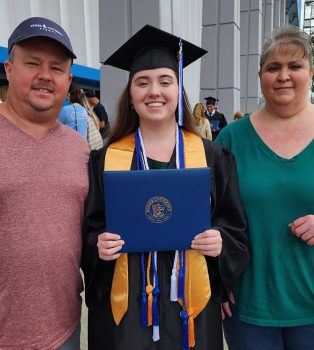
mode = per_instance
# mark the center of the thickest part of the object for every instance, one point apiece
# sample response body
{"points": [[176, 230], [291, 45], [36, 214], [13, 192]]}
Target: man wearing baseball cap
{"points": [[43, 185]]}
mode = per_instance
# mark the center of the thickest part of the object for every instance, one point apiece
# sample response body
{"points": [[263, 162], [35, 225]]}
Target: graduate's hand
{"points": [[109, 245], [304, 228], [208, 243], [225, 307]]}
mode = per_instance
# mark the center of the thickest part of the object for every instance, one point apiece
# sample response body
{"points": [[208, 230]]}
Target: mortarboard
{"points": [[152, 48], [211, 100]]}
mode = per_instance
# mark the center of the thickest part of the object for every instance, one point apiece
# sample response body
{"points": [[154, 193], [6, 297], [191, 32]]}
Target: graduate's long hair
{"points": [[127, 120]]}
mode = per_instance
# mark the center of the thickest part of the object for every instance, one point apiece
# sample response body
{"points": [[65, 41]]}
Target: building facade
{"points": [[231, 30]]}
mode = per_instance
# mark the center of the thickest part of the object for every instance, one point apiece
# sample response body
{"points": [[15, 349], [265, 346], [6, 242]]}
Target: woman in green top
{"points": [[274, 149]]}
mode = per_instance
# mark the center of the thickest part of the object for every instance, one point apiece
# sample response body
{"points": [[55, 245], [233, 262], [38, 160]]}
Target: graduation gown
{"points": [[222, 122], [227, 217]]}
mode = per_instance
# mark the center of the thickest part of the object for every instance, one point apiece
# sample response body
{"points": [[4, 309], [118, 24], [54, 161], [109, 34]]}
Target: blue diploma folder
{"points": [[214, 125], [157, 209]]}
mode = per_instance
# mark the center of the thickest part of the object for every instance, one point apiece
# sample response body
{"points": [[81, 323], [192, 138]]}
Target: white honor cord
{"points": [[144, 155]]}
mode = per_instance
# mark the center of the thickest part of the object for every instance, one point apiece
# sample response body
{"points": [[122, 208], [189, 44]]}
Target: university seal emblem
{"points": [[158, 209]]}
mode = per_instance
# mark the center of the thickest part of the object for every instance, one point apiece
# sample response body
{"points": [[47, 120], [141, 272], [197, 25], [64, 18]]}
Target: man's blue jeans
{"points": [[244, 336]]}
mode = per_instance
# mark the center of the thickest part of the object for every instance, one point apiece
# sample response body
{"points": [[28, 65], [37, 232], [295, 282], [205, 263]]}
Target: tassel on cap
{"points": [[181, 96]]}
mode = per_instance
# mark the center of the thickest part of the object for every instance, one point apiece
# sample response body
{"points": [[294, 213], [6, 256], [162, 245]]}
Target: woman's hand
{"points": [[208, 243], [108, 246], [225, 307], [304, 228]]}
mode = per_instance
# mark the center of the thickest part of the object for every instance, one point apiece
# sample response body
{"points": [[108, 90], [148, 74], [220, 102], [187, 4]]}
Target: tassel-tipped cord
{"points": [[177, 147], [185, 330], [144, 296], [191, 330], [149, 310], [156, 335], [174, 281], [181, 291], [144, 156], [139, 158], [181, 149]]}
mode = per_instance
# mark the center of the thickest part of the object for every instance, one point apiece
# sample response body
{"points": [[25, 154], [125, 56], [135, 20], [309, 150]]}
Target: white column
{"points": [[220, 68], [251, 38]]}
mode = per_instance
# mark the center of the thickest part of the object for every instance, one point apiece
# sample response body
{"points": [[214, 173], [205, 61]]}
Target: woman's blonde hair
{"points": [[286, 39], [85, 103], [198, 113]]}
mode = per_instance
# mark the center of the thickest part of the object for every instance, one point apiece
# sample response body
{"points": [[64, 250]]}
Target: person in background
{"points": [[201, 123], [216, 119], [75, 115], [237, 115], [99, 109], [43, 185], [274, 149], [94, 138], [147, 135]]}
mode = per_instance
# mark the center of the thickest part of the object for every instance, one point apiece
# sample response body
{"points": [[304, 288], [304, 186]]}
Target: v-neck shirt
{"points": [[277, 288]]}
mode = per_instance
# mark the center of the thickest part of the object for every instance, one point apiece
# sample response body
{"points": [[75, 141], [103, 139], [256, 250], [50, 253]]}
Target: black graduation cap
{"points": [[211, 100], [152, 48]]}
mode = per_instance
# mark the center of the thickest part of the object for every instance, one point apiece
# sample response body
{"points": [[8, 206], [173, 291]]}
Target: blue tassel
{"points": [[144, 321], [155, 307], [181, 97], [185, 330], [181, 284]]}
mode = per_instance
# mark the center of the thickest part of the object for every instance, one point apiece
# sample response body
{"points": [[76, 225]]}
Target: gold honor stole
{"points": [[119, 157]]}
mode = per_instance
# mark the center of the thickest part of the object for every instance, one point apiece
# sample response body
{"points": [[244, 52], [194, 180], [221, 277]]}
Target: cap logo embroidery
{"points": [[158, 209], [47, 29]]}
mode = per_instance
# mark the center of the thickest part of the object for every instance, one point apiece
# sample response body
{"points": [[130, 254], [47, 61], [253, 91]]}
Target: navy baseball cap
{"points": [[40, 27]]}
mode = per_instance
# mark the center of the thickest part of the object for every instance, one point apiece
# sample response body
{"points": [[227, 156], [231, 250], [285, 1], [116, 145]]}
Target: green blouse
{"points": [[277, 288]]}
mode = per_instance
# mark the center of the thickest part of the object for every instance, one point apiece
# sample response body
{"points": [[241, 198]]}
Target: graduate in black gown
{"points": [[216, 119], [150, 127]]}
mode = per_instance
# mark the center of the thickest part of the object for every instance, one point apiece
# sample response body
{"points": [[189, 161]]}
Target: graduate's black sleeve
{"points": [[97, 273], [228, 217], [223, 122]]}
